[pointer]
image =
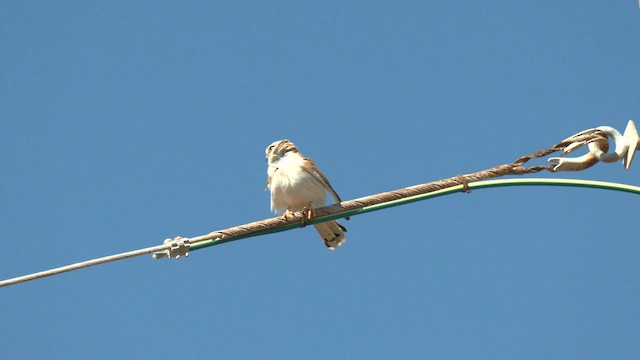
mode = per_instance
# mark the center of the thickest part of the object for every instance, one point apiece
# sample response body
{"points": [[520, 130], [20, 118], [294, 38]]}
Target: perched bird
{"points": [[297, 184]]}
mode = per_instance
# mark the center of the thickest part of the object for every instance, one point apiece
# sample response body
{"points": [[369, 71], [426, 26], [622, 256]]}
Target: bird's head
{"points": [[278, 149]]}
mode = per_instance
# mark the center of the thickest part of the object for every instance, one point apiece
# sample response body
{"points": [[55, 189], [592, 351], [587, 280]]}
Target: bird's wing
{"points": [[311, 168]]}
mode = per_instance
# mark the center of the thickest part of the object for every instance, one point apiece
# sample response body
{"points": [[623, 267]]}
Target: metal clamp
{"points": [[179, 246], [625, 148]]}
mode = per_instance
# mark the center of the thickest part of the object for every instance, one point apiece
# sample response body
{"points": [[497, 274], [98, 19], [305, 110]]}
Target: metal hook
{"points": [[610, 157], [625, 147]]}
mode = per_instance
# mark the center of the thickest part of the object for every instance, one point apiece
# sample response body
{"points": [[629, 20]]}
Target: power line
{"points": [[83, 264], [595, 138]]}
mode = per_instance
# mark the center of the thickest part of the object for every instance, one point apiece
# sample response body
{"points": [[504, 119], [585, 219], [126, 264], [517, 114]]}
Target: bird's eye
{"points": [[271, 147]]}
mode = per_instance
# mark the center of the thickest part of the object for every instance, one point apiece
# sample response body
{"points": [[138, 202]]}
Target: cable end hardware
{"points": [[625, 147], [179, 246]]}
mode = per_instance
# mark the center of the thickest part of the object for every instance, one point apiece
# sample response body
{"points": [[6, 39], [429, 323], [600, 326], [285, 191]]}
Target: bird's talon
{"points": [[286, 214]]}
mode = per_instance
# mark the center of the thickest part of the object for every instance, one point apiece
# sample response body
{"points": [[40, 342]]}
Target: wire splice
{"points": [[178, 247]]}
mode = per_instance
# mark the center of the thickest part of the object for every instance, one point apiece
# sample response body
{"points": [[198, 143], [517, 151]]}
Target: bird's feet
{"points": [[286, 214], [307, 214]]}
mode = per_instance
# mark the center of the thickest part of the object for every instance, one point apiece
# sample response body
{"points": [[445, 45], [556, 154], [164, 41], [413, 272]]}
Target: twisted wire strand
{"points": [[325, 213]]}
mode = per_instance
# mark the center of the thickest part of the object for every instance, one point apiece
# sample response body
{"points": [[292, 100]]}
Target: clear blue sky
{"points": [[124, 123]]}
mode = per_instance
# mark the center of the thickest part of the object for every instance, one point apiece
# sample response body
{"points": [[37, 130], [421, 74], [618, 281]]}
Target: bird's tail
{"points": [[332, 233]]}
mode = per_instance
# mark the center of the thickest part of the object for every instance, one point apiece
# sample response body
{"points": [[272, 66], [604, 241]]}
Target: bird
{"points": [[296, 183]]}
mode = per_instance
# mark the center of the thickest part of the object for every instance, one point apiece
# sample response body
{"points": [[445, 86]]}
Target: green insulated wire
{"points": [[179, 246], [451, 190], [454, 189]]}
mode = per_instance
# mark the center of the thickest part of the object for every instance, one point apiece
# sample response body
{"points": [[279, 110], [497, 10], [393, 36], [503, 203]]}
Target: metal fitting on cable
{"points": [[179, 246], [625, 148]]}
